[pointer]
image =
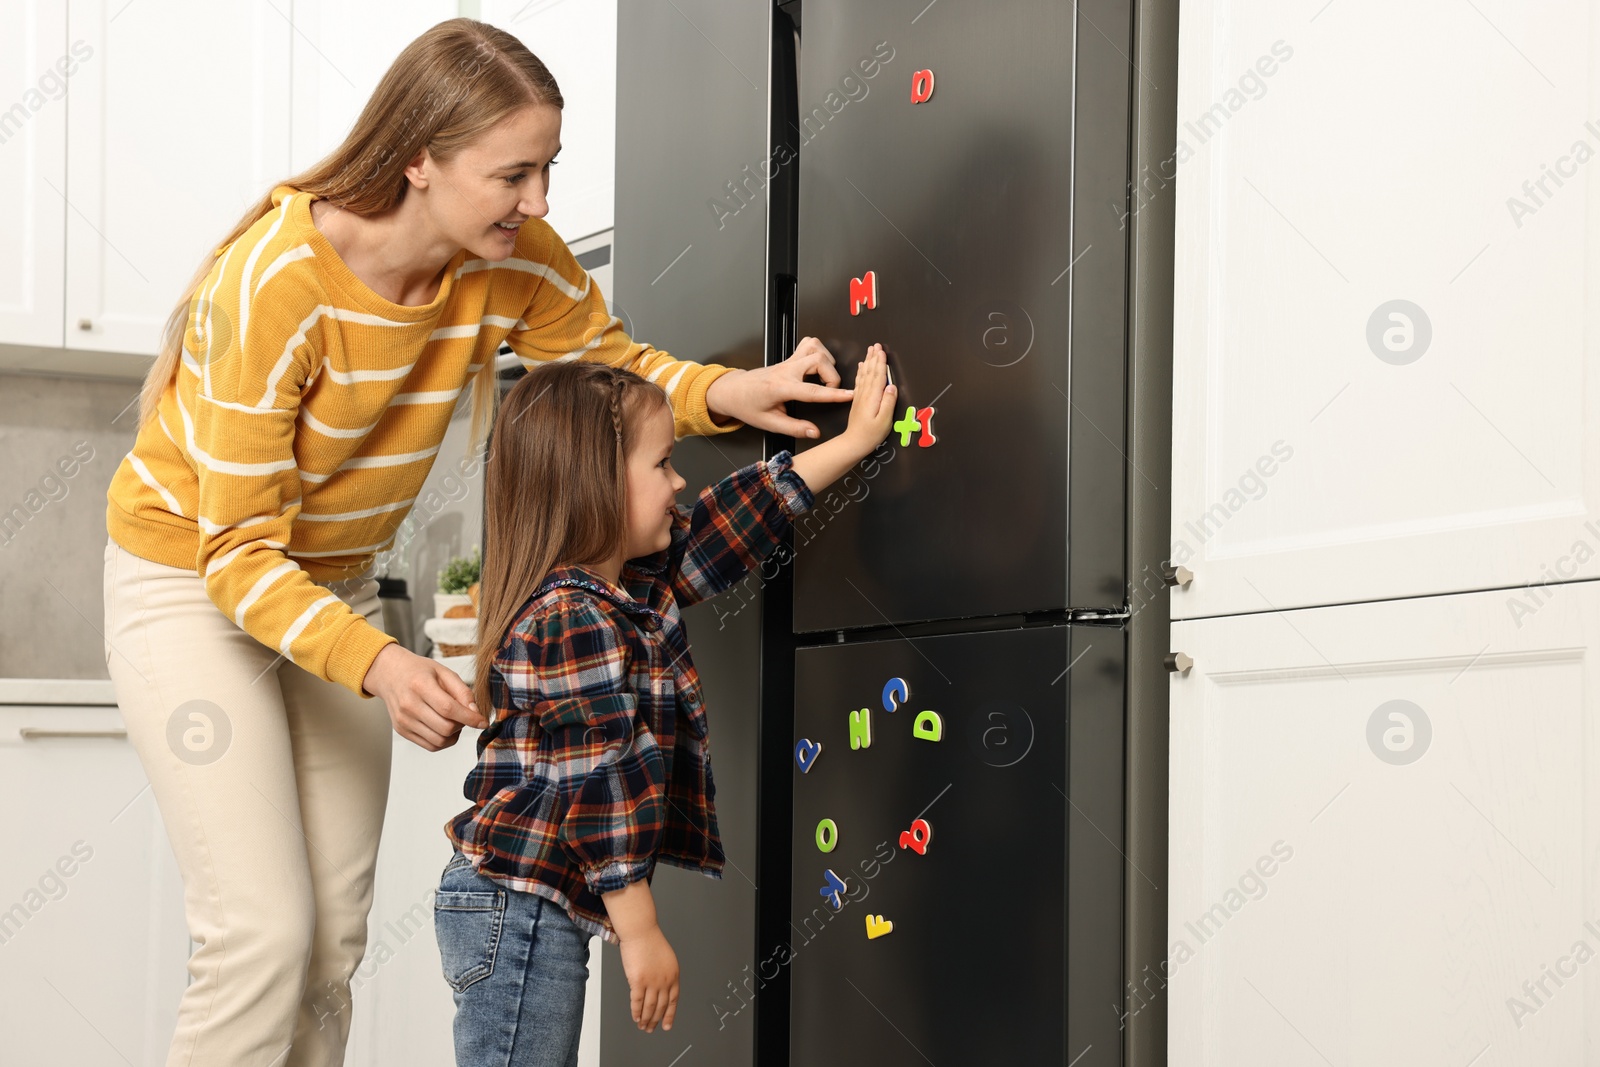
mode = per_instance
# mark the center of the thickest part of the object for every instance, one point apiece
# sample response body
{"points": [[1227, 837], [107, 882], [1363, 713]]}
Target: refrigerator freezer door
{"points": [[944, 229], [696, 289], [1000, 912]]}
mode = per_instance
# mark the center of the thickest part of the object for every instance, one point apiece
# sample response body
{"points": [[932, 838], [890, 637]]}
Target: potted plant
{"points": [[458, 582], [453, 629]]}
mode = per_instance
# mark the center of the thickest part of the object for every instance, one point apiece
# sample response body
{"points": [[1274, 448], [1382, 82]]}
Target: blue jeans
{"points": [[517, 968]]}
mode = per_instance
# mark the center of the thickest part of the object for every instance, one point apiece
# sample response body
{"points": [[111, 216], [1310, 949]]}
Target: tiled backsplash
{"points": [[62, 439]]}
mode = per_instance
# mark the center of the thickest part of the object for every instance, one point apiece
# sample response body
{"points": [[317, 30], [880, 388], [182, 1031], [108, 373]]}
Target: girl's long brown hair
{"points": [[555, 487], [443, 92]]}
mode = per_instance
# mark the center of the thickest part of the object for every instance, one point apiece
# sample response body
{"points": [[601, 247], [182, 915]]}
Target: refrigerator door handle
{"points": [[785, 292]]}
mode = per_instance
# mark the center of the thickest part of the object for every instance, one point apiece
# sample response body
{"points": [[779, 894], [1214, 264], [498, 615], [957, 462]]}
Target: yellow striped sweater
{"points": [[297, 432]]}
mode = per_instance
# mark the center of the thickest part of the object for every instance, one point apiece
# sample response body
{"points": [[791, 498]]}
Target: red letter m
{"points": [[863, 292]]}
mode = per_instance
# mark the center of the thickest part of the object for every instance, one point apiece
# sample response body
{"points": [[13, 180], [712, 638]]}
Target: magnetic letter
{"points": [[925, 416], [864, 292], [917, 838], [895, 690], [921, 86], [832, 890], [861, 729], [827, 835], [907, 426], [805, 753], [877, 926], [928, 726]]}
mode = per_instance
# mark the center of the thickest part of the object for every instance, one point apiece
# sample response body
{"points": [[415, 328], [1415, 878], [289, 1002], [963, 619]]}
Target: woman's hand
{"points": [[427, 701], [651, 968], [756, 397]]}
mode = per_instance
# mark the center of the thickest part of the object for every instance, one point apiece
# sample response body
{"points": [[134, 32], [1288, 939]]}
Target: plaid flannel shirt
{"points": [[596, 764]]}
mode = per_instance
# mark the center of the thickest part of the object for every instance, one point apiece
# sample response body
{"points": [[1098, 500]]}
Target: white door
{"points": [[38, 65], [1385, 836], [175, 131], [1384, 333], [341, 50], [93, 943]]}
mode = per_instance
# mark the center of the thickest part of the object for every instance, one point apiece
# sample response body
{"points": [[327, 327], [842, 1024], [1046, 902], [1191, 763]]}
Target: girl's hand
{"points": [[871, 413], [652, 971], [427, 701], [756, 397], [872, 410]]}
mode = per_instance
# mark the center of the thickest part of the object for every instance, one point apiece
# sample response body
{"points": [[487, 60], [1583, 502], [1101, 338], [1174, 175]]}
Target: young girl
{"points": [[595, 764]]}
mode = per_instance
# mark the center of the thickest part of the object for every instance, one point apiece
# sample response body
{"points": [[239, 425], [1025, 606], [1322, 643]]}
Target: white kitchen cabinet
{"points": [[341, 50], [176, 127], [1331, 445], [93, 943], [174, 116], [578, 42], [1385, 835], [37, 68]]}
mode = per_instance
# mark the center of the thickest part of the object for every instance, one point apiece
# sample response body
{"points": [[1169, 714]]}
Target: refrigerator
{"points": [[921, 709]]}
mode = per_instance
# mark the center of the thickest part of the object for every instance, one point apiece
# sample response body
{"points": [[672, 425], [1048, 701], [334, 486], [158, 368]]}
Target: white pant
{"points": [[272, 784]]}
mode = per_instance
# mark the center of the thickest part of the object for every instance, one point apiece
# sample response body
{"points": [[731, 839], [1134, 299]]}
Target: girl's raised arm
{"points": [[738, 522]]}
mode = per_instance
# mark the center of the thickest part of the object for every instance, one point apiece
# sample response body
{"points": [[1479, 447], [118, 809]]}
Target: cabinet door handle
{"points": [[36, 733], [1176, 574], [85, 324], [1179, 662]]}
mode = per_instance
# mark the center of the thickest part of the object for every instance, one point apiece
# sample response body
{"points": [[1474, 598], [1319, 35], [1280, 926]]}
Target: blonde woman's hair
{"points": [[555, 486], [447, 89]]}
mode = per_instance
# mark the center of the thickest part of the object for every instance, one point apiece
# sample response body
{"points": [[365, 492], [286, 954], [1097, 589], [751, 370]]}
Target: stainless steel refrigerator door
{"points": [[1006, 944], [968, 208], [692, 281]]}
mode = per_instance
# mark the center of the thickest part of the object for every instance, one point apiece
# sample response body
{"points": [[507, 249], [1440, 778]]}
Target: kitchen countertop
{"points": [[79, 692]]}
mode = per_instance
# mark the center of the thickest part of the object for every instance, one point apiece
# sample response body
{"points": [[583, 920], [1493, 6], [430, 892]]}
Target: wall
{"points": [[53, 530], [62, 443]]}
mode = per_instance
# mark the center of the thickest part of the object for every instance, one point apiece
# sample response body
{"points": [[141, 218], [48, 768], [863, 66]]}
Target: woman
{"points": [[305, 383]]}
